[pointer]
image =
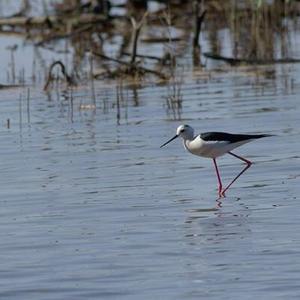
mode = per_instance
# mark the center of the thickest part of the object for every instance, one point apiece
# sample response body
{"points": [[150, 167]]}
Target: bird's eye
{"points": [[182, 130]]}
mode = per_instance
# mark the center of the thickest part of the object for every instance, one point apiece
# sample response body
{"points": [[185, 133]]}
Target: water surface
{"points": [[92, 208]]}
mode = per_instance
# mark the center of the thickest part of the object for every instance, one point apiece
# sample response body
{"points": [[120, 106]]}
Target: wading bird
{"points": [[213, 145]]}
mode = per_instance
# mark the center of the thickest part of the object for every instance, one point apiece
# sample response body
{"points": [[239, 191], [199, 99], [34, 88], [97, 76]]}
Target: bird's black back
{"points": [[229, 137]]}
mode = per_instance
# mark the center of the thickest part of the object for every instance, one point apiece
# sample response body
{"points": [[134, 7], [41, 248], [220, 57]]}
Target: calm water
{"points": [[92, 208], [95, 210]]}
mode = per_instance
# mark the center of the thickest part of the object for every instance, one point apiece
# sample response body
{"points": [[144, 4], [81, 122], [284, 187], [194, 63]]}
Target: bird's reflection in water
{"points": [[214, 238], [216, 223]]}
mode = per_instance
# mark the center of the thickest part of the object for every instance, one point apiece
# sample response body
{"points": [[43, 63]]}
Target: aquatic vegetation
{"points": [[137, 39]]}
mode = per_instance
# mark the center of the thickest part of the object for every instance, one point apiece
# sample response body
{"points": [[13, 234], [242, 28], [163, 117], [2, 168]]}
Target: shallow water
{"points": [[91, 209]]}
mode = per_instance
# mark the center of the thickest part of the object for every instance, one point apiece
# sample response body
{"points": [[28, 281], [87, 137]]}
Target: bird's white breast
{"points": [[211, 149]]}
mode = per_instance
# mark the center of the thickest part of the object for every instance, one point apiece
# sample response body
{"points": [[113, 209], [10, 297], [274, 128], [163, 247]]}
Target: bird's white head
{"points": [[184, 131]]}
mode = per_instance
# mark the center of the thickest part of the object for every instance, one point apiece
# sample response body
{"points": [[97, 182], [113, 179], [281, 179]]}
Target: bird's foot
{"points": [[222, 194]]}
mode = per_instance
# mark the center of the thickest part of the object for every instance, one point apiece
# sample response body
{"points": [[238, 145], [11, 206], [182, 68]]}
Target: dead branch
{"points": [[10, 86], [238, 61], [154, 40], [56, 36], [199, 17], [144, 56], [68, 78], [135, 35], [54, 20], [130, 69]]}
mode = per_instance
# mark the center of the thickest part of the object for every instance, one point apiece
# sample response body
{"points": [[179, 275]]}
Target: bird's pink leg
{"points": [[248, 162], [221, 194]]}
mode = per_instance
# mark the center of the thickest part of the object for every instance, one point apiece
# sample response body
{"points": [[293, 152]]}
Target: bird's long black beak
{"points": [[173, 138]]}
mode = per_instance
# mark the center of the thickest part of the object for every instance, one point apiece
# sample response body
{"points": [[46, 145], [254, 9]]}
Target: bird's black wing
{"points": [[228, 137]]}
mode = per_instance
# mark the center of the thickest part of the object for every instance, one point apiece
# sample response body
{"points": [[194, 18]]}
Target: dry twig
{"points": [[68, 78]]}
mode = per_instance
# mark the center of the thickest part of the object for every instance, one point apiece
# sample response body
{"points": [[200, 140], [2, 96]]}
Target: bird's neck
{"points": [[188, 139], [186, 142]]}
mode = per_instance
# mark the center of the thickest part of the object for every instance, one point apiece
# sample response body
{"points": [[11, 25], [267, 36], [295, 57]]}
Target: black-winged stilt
{"points": [[213, 145]]}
